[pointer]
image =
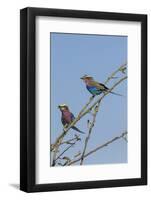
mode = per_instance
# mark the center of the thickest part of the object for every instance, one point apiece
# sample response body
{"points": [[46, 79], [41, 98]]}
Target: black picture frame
{"points": [[28, 99]]}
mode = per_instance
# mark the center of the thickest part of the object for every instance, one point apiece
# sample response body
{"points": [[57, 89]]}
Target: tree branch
{"points": [[100, 99], [99, 147], [95, 114], [89, 133], [65, 151], [76, 138], [55, 146], [115, 72]]}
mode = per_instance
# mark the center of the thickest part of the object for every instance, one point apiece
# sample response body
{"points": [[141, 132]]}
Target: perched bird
{"points": [[94, 87], [67, 117]]}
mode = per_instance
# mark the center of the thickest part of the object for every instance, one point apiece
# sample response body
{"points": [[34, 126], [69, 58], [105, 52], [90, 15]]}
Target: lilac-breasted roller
{"points": [[67, 117], [94, 87]]}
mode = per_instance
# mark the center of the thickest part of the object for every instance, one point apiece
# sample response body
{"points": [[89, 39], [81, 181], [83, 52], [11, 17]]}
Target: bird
{"points": [[67, 117], [94, 87]]}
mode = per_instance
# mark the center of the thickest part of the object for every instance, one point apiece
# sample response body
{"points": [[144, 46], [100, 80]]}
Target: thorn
{"points": [[78, 154], [70, 143], [60, 164], [66, 158], [114, 77]]}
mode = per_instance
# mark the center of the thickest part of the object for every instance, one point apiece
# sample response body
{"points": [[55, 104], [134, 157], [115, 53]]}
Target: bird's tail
{"points": [[76, 129], [116, 94]]}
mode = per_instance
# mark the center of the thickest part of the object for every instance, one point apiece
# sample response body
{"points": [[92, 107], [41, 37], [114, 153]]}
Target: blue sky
{"points": [[73, 55]]}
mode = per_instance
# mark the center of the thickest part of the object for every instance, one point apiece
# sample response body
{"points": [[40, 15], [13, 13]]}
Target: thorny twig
{"points": [[87, 111], [89, 133], [99, 147], [82, 113], [115, 72], [95, 114], [100, 99], [71, 140], [71, 145]]}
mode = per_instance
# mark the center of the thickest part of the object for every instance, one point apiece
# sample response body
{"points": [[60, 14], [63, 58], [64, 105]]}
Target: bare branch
{"points": [[89, 133], [95, 114], [83, 112], [87, 104], [99, 147], [71, 140], [100, 99], [65, 151], [60, 138], [114, 73]]}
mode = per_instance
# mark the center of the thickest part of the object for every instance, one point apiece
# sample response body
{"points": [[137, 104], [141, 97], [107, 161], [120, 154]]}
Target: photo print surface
{"points": [[88, 99]]}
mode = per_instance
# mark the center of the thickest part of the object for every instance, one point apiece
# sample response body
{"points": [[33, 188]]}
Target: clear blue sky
{"points": [[73, 55]]}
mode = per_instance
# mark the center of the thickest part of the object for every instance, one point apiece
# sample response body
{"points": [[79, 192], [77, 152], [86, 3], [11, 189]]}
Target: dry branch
{"points": [[83, 112], [115, 72], [65, 151], [100, 99], [89, 133], [99, 147]]}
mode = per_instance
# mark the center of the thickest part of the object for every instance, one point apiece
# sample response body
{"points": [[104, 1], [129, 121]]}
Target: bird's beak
{"points": [[61, 107]]}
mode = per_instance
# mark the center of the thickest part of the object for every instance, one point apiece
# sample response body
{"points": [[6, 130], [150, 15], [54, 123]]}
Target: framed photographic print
{"points": [[83, 99]]}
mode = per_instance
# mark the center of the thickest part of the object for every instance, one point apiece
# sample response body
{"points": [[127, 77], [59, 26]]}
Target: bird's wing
{"points": [[106, 88], [98, 85], [72, 117], [63, 121], [67, 118]]}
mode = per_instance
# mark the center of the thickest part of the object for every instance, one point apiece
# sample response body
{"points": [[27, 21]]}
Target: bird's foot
{"points": [[65, 126], [91, 98]]}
